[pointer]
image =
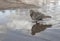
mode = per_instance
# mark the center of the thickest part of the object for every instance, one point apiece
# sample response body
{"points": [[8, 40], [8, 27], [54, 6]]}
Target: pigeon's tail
{"points": [[47, 16]]}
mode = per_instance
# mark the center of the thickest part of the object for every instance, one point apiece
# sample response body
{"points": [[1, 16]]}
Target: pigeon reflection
{"points": [[39, 27]]}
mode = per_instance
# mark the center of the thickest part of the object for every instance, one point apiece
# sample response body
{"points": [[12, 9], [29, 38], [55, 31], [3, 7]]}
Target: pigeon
{"points": [[37, 15]]}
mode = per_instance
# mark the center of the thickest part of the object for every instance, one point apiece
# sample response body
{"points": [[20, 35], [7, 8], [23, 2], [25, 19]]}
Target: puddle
{"points": [[20, 27]]}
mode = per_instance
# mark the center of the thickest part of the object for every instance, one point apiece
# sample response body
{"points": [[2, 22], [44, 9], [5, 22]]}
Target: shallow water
{"points": [[17, 27]]}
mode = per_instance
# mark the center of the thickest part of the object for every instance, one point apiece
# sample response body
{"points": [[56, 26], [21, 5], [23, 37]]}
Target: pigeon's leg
{"points": [[41, 19]]}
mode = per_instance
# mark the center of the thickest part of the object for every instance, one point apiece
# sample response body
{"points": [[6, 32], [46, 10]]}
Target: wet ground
{"points": [[17, 27]]}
